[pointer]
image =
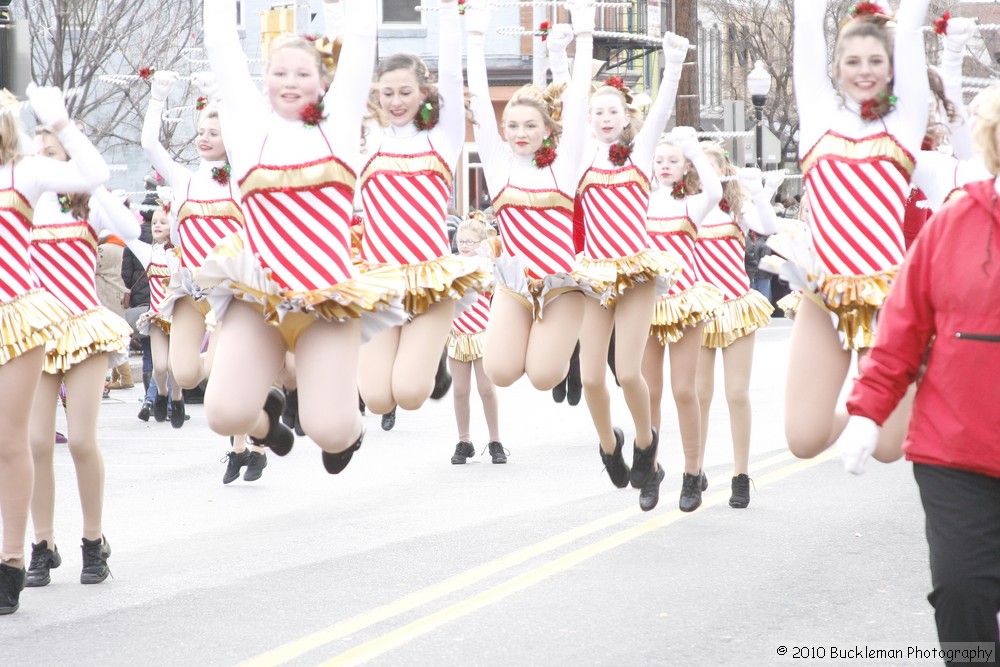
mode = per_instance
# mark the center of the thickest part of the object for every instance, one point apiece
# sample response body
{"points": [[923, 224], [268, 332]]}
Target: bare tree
{"points": [[80, 45]]}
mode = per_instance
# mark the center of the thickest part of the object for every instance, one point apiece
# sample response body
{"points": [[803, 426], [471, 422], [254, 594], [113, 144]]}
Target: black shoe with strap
{"points": [[95, 560], [649, 494], [335, 462], [279, 437], [463, 452], [643, 462], [497, 452], [234, 462], [614, 463], [11, 584], [256, 462], [42, 560], [691, 488]]}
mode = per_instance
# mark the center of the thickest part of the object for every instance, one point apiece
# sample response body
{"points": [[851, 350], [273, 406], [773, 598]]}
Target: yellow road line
{"points": [[296, 648]]}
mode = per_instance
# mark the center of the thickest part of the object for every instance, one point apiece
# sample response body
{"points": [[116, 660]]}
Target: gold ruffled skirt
{"points": [[790, 303], [184, 285], [29, 320], [673, 314], [152, 318], [96, 331], [645, 266], [855, 300], [737, 318], [465, 346], [232, 271], [511, 276], [448, 278]]}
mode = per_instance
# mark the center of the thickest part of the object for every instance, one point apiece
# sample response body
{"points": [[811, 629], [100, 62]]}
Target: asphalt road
{"points": [[405, 559]]}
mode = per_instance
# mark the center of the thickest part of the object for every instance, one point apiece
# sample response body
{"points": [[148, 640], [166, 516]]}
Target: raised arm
{"points": [[814, 93], [910, 85], [491, 146], [449, 133], [960, 31], [333, 19], [559, 38], [703, 203], [239, 95], [347, 99], [113, 215], [675, 52], [176, 174], [575, 99], [762, 219]]}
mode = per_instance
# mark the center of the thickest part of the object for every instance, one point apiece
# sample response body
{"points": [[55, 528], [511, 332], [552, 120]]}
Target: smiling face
{"points": [[864, 69], [160, 226], [524, 129], [608, 116], [669, 164], [400, 96], [49, 146], [209, 140], [293, 81]]}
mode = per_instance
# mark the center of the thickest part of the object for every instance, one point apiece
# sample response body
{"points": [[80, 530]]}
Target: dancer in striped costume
{"points": [[64, 258], [414, 141], [676, 211], [288, 282], [720, 253], [29, 316], [465, 354], [161, 260], [858, 143], [614, 195], [538, 305]]}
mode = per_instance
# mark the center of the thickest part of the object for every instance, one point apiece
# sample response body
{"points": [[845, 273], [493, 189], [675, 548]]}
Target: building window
{"points": [[240, 25], [401, 12]]}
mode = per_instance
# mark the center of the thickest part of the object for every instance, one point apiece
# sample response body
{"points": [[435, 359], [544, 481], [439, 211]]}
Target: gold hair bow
{"points": [[7, 98], [329, 51], [552, 97]]}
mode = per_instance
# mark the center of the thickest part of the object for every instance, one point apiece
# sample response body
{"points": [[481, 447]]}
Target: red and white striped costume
{"points": [[64, 258], [161, 263], [857, 171], [30, 316], [297, 183], [405, 188], [468, 331]]}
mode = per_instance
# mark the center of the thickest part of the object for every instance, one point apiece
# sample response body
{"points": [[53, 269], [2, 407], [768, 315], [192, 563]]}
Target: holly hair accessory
{"points": [[461, 7], [866, 9], [312, 114], [941, 24], [65, 203], [618, 84], [878, 106], [146, 72], [221, 174], [423, 119], [619, 154], [679, 191], [201, 103], [724, 206], [545, 155], [543, 29]]}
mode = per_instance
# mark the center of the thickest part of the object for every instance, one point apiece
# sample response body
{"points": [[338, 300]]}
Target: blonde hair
{"points": [[692, 183], [635, 116], [10, 138], [732, 191], [293, 41], [546, 102], [988, 115], [474, 226]]}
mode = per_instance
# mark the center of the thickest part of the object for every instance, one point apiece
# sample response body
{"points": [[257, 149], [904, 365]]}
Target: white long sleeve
{"points": [[703, 203], [83, 173], [176, 175], [494, 153], [813, 90], [959, 130], [448, 136], [910, 85], [107, 213], [574, 116], [656, 119]]}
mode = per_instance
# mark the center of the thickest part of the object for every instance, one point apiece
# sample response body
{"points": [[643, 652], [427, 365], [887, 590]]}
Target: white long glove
{"points": [[582, 16], [47, 103], [477, 17], [163, 82], [686, 139], [675, 48], [857, 443]]}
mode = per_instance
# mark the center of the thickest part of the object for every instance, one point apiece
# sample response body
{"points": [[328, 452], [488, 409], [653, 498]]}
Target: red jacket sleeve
{"points": [[905, 328]]}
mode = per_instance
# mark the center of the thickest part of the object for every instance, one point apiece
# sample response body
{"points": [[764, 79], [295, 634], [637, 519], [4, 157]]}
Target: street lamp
{"points": [[759, 84]]}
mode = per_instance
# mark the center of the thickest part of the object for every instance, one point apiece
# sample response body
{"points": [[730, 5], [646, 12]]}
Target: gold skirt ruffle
{"points": [[465, 346], [645, 266], [673, 314], [737, 318], [511, 276], [231, 271], [855, 300], [790, 303], [151, 317], [96, 331], [29, 320], [448, 278], [183, 285]]}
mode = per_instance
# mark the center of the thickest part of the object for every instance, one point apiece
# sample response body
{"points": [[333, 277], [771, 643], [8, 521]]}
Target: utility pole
{"points": [[686, 25]]}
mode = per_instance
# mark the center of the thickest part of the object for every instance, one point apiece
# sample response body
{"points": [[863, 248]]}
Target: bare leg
{"points": [[461, 387], [18, 381], [488, 395], [187, 332], [633, 314], [817, 368], [42, 435], [652, 372], [737, 361], [84, 383], [328, 402], [595, 335], [704, 389], [159, 344], [415, 366], [551, 341], [248, 359], [684, 355], [377, 358], [507, 337]]}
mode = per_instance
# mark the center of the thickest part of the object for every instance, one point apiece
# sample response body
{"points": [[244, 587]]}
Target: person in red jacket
{"points": [[944, 308]]}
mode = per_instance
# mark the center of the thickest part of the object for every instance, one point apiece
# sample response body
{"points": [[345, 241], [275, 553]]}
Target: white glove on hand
{"points": [[47, 103], [206, 84], [773, 180], [582, 13], [749, 178], [960, 31], [675, 48], [686, 138], [559, 38], [477, 17], [162, 82], [857, 443]]}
